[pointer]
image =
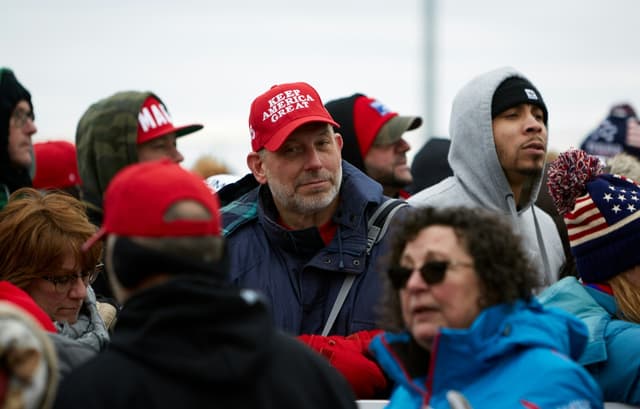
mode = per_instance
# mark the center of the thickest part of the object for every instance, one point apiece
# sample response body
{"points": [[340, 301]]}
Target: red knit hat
{"points": [[20, 298], [138, 197], [56, 165], [282, 109]]}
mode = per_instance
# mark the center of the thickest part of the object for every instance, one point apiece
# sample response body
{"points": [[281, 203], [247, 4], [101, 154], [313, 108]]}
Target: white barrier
{"points": [[371, 403]]}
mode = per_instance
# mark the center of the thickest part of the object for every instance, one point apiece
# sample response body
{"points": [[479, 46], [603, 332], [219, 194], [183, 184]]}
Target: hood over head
{"points": [[108, 134], [106, 140], [11, 92], [471, 134]]}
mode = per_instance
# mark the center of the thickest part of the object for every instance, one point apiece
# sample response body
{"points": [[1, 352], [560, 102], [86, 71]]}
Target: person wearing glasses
{"points": [[187, 337], [459, 315], [41, 236], [16, 129]]}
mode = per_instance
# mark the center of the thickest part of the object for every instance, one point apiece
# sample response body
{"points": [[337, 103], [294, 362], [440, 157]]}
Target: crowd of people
{"points": [[334, 271]]}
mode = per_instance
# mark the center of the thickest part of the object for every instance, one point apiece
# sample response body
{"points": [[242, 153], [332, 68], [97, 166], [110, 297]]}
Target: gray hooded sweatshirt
{"points": [[479, 180]]}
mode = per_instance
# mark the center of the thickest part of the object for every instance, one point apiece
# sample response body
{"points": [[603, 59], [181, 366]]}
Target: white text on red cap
{"points": [[158, 116], [286, 102]]}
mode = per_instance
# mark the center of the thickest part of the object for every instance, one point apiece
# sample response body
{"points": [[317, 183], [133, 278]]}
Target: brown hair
{"points": [[37, 230], [505, 272]]}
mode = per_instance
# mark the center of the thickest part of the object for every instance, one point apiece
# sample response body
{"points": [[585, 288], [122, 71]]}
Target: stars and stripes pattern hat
{"points": [[601, 212]]}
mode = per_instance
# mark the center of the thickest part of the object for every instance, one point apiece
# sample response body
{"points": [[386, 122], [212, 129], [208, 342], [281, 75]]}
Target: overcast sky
{"points": [[207, 59]]}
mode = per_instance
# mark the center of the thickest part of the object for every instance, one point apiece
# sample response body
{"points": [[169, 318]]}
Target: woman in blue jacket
{"points": [[460, 316], [602, 214]]}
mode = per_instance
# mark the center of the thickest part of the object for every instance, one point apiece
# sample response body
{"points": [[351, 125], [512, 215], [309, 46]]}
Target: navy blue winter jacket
{"points": [[298, 274]]}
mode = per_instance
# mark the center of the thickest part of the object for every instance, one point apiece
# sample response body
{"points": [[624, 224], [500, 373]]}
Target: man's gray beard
{"points": [[310, 205], [391, 180]]}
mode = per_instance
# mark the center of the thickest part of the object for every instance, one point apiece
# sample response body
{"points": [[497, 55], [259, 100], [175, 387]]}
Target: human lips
{"points": [[423, 309], [68, 310], [313, 183], [536, 146]]}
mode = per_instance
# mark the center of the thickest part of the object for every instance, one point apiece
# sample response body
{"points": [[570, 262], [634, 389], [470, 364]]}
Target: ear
{"points": [[339, 141], [256, 165]]}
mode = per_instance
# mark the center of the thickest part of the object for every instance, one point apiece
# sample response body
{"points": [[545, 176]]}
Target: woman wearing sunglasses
{"points": [[460, 316], [41, 237]]}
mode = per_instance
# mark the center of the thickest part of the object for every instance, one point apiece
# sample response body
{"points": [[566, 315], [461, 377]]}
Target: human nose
{"points": [[30, 127], [415, 281], [175, 155], [402, 145], [78, 289], [312, 161], [532, 123]]}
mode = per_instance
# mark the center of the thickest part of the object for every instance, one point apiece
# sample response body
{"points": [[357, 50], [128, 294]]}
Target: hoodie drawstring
{"points": [[543, 250], [546, 274]]}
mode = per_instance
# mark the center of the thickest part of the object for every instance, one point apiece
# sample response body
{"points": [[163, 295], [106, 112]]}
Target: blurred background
{"points": [[207, 60]]}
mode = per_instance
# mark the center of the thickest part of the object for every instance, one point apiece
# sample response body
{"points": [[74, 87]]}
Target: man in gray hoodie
{"points": [[498, 131]]}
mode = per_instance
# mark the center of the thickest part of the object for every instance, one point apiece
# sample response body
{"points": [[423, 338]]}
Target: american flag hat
{"points": [[601, 212]]}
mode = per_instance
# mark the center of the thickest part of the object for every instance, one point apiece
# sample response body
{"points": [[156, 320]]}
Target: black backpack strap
{"points": [[376, 228], [380, 219]]}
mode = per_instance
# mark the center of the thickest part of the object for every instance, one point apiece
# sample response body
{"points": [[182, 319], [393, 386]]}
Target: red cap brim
{"points": [[278, 139], [93, 239]]}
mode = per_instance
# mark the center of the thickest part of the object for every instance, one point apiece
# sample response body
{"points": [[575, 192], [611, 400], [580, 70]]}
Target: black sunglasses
{"points": [[432, 272]]}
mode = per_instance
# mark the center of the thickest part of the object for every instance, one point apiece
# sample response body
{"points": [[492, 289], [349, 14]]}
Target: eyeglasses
{"points": [[20, 117], [63, 283], [432, 272]]}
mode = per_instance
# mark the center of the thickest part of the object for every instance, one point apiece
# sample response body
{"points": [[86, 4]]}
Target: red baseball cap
{"points": [[282, 109], [138, 197], [154, 121], [375, 123], [56, 165]]}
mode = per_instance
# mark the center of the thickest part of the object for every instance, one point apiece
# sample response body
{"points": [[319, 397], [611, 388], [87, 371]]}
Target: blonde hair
{"points": [[627, 297], [207, 166], [37, 230], [625, 165]]}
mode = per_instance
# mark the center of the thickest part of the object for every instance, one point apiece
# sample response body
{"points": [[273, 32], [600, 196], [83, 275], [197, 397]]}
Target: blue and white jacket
{"points": [[513, 356], [613, 352], [298, 274]]}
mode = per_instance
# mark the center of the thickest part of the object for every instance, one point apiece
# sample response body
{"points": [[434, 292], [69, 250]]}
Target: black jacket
{"points": [[189, 343], [12, 92]]}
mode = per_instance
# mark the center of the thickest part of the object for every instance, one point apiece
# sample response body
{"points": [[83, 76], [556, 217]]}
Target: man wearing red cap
{"points": [[186, 338], [301, 236], [125, 128], [373, 140]]}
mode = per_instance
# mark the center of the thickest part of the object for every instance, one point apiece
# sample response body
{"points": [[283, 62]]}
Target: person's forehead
{"points": [[22, 105], [170, 137], [309, 130]]}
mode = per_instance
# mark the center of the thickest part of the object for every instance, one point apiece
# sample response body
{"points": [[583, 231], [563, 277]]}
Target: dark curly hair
{"points": [[505, 272]]}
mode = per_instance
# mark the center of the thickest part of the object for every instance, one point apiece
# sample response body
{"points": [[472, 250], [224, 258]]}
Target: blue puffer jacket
{"points": [[513, 356], [613, 353], [299, 275]]}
